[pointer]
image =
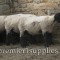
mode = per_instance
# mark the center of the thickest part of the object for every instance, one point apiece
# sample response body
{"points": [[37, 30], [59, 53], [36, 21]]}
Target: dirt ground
{"points": [[31, 52]]}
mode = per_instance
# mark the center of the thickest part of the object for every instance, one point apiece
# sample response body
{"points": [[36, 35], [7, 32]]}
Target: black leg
{"points": [[12, 38], [7, 40], [39, 38], [2, 37], [15, 37], [48, 39], [24, 39], [32, 39]]}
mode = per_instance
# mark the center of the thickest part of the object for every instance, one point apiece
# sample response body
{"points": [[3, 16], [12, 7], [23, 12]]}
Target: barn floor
{"points": [[32, 52]]}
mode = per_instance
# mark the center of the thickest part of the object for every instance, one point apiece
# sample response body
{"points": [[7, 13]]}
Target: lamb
{"points": [[11, 25], [36, 24]]}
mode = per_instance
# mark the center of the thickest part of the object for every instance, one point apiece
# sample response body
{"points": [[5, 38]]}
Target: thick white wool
{"points": [[11, 21], [2, 23], [33, 24], [47, 23], [36, 23], [29, 24]]}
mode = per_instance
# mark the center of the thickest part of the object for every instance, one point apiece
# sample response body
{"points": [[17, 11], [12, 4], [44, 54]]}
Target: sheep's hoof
{"points": [[52, 43], [8, 44], [23, 46], [1, 44], [46, 45]]}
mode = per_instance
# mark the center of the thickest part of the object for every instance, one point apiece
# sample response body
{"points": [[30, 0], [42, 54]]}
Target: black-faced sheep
{"points": [[34, 24]]}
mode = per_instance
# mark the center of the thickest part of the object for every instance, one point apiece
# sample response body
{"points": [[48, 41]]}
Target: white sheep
{"points": [[11, 23], [34, 24]]}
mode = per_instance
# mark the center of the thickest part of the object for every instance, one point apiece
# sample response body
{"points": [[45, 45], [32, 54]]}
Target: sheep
{"points": [[36, 24], [29, 24], [47, 26], [11, 25]]}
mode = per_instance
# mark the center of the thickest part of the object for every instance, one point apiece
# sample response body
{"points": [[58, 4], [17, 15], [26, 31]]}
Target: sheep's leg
{"points": [[7, 38], [2, 37], [48, 38], [14, 37], [23, 39]]}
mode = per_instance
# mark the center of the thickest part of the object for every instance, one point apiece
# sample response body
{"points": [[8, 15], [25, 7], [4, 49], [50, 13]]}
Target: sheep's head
{"points": [[57, 17]]}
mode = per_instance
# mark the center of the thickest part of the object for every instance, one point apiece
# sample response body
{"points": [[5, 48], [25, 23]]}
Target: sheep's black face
{"points": [[57, 17]]}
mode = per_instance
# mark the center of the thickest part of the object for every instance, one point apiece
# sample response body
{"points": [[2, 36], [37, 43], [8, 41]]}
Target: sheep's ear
{"points": [[57, 17]]}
